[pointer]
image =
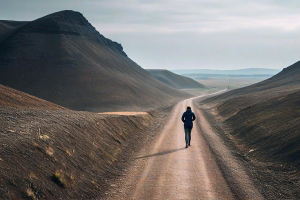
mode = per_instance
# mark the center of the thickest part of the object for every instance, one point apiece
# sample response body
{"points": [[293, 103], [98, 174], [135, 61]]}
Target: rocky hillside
{"points": [[49, 152], [263, 121], [11, 98], [64, 154], [63, 59], [265, 115], [174, 80]]}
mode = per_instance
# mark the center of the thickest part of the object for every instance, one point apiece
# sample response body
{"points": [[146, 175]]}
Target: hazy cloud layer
{"points": [[177, 34]]}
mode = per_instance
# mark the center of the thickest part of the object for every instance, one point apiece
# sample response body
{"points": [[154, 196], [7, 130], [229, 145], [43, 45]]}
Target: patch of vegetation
{"points": [[32, 192], [62, 179]]}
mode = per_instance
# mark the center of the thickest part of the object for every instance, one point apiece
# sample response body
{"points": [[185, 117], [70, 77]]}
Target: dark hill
{"points": [[174, 80], [63, 59], [263, 120]]}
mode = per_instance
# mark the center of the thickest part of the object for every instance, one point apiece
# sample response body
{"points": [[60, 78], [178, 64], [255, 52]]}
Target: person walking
{"points": [[187, 118]]}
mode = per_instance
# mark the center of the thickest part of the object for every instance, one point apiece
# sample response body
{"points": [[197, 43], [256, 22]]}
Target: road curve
{"points": [[165, 169]]}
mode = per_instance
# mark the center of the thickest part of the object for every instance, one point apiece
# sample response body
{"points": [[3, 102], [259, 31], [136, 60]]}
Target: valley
{"points": [[79, 119]]}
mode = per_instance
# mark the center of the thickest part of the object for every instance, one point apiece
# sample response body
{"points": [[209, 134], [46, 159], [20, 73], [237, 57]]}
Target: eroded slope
{"points": [[49, 152], [263, 120], [11, 98]]}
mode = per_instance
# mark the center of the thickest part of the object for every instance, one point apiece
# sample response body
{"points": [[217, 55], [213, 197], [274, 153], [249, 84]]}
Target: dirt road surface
{"points": [[123, 113], [165, 169]]}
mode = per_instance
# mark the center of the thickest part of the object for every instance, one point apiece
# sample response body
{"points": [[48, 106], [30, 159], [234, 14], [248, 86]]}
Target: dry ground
{"points": [[51, 154], [164, 169]]}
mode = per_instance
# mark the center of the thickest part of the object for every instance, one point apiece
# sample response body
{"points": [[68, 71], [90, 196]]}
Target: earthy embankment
{"points": [[261, 122], [52, 154], [11, 98], [275, 180]]}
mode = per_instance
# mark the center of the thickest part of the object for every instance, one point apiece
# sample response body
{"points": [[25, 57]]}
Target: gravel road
{"points": [[165, 169]]}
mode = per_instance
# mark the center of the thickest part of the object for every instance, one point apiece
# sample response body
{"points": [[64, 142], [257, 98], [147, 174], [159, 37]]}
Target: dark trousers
{"points": [[188, 135]]}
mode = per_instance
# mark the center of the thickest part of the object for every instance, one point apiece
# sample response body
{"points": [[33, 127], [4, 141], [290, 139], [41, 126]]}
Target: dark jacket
{"points": [[188, 117]]}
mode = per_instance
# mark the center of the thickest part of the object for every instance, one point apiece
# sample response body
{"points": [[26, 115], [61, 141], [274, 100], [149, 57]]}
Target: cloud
{"points": [[197, 15], [189, 33]]}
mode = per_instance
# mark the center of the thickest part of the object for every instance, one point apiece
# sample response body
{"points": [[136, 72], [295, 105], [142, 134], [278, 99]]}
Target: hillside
{"points": [[174, 80], [280, 85], [63, 59], [10, 98], [49, 152], [263, 120], [64, 154]]}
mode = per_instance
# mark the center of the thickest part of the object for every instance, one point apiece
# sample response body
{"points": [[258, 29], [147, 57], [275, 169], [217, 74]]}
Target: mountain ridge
{"points": [[59, 23], [76, 67]]}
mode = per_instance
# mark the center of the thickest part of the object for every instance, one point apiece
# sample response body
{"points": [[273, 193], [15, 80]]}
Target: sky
{"points": [[186, 34]]}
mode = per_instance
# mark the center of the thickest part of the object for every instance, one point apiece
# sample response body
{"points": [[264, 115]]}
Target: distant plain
{"points": [[215, 84]]}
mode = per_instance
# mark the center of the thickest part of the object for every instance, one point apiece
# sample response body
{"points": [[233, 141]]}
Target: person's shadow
{"points": [[160, 153]]}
